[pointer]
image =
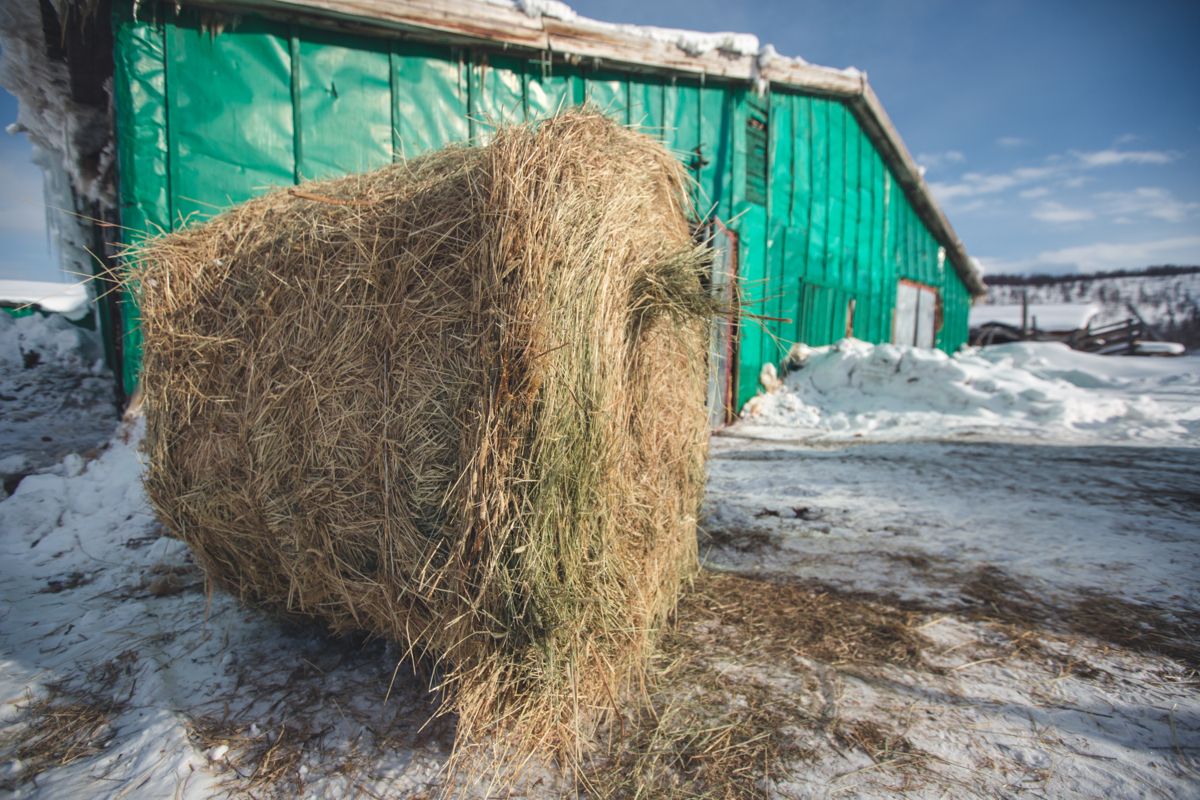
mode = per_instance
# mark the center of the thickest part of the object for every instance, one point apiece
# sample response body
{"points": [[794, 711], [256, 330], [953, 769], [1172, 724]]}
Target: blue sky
{"points": [[24, 251], [1058, 136]]}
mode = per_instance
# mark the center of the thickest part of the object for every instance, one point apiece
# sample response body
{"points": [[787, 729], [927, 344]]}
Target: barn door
{"points": [[916, 315]]}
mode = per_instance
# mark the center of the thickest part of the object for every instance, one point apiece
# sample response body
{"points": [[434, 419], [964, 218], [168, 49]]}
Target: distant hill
{"points": [[1167, 297]]}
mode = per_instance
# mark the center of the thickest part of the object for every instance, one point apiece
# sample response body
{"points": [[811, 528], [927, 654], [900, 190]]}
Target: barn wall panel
{"points": [[344, 104], [229, 107], [497, 94], [431, 90]]}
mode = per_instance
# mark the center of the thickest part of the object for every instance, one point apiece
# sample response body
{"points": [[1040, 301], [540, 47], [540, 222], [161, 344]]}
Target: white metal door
{"points": [[905, 326]]}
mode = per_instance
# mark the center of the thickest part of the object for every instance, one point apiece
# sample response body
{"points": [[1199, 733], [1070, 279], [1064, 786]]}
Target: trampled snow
{"points": [[854, 389], [94, 598], [56, 394]]}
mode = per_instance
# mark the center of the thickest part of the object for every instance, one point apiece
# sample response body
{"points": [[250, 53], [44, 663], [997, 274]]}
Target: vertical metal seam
{"points": [[628, 100], [469, 65], [524, 90], [297, 137], [393, 69], [161, 25], [662, 112]]}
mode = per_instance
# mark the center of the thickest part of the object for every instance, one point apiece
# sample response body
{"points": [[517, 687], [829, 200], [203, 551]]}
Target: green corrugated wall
{"points": [[206, 121]]}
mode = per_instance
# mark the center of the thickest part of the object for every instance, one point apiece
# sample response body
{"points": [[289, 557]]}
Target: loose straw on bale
{"points": [[461, 407]]}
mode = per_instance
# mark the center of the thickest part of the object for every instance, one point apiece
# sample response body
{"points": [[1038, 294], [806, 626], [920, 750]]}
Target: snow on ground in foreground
{"points": [[1000, 545], [56, 394], [1042, 571], [853, 389], [93, 598]]}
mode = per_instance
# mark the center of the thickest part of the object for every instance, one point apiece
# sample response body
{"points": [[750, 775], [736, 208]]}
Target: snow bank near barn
{"points": [[857, 389]]}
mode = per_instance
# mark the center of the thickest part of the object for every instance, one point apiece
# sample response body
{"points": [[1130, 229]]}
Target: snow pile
{"points": [[70, 299], [1057, 362], [853, 388], [56, 393], [49, 340]]}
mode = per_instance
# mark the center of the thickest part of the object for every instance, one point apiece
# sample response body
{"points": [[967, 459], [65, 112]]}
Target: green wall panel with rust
{"points": [[609, 91], [786, 196], [681, 120], [646, 104], [818, 201], [431, 92], [553, 87], [497, 94], [140, 112], [750, 219], [779, 190], [344, 103], [229, 106], [835, 229], [716, 151], [797, 236]]}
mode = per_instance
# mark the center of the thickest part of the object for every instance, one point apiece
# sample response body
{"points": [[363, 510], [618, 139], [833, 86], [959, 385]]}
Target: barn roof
{"points": [[551, 27]]}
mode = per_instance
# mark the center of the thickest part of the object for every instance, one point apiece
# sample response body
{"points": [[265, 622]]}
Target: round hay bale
{"points": [[456, 403]]}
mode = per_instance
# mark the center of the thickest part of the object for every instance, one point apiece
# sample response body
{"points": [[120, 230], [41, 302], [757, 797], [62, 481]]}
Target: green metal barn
{"points": [[816, 204]]}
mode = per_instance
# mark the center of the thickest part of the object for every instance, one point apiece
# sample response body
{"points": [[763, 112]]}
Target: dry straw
{"points": [[456, 403]]}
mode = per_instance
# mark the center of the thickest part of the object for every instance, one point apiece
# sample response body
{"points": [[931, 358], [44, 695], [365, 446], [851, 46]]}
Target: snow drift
{"points": [[855, 388]]}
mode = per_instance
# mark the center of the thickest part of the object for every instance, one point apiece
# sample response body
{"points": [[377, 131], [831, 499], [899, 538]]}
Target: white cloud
{"points": [[1064, 170], [1127, 138], [935, 160], [1150, 201], [1050, 211], [1108, 158], [973, 184], [1104, 256]]}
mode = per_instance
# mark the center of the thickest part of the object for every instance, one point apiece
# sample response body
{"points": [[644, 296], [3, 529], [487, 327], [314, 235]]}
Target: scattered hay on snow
{"points": [[456, 403]]}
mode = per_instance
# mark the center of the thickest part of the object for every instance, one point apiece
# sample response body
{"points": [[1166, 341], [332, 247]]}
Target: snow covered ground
{"points": [[963, 589], [56, 394]]}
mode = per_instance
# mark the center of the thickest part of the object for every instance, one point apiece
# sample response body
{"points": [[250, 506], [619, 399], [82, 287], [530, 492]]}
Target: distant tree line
{"points": [[1049, 280]]}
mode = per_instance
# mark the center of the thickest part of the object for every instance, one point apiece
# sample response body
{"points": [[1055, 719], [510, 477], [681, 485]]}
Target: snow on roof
{"points": [[694, 43], [69, 299], [1048, 316]]}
